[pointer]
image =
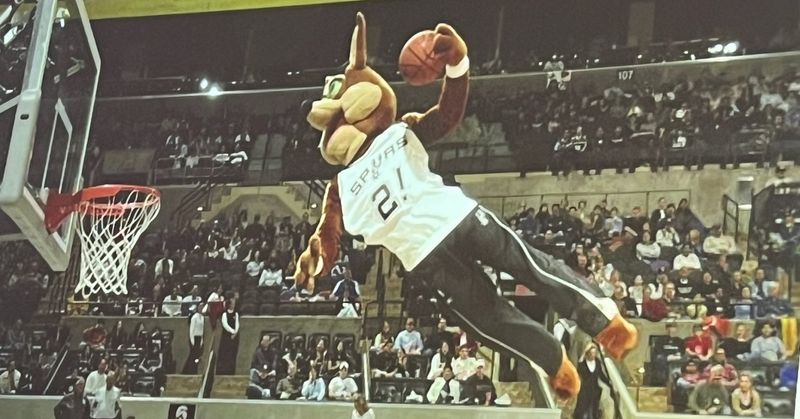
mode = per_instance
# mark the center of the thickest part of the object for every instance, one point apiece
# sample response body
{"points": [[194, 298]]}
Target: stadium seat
{"points": [[267, 309], [249, 309]]}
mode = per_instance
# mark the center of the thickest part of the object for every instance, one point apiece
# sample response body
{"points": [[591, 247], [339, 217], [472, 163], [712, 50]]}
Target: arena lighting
{"points": [[730, 47], [204, 84], [314, 206], [215, 90], [716, 49]]}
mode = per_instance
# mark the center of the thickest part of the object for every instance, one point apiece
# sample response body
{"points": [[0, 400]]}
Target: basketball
{"points": [[418, 62]]}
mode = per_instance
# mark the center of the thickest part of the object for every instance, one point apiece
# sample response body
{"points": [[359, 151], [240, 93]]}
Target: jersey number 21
{"points": [[386, 204]]}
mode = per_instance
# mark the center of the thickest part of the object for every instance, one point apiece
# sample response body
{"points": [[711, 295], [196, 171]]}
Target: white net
{"points": [[109, 227]]}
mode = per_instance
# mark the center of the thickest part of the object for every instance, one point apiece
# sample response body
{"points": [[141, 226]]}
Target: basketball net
{"points": [[111, 218]]}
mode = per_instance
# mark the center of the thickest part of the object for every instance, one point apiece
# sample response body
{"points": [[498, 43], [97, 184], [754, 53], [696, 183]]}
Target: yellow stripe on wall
{"points": [[110, 9]]}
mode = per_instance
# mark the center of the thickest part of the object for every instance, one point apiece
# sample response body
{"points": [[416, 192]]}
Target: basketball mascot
{"points": [[387, 194]]}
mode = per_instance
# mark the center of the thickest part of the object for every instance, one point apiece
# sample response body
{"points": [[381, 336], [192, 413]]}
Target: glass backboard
{"points": [[48, 116]]}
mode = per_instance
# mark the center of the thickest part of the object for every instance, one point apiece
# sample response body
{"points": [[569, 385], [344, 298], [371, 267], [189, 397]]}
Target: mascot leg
{"points": [[473, 302], [483, 236]]}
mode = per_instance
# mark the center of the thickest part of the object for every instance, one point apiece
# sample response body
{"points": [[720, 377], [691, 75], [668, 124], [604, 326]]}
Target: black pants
{"points": [[193, 360], [475, 302]]}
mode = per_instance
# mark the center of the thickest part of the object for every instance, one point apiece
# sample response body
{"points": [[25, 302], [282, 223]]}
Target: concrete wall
{"points": [[251, 328], [703, 188], [20, 407]]}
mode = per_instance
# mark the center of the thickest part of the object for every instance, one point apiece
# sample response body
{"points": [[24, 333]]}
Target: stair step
{"points": [[518, 391], [230, 386], [179, 385], [651, 399]]}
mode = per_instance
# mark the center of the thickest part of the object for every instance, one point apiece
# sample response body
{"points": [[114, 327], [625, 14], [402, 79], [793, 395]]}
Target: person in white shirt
{"points": [[164, 265], [190, 301], [96, 381], [647, 250], [172, 304], [409, 340], [271, 276], [444, 389], [440, 359], [668, 236], [9, 379], [342, 387], [105, 401], [361, 409], [719, 244], [314, 388], [686, 259], [253, 268], [464, 365], [197, 324]]}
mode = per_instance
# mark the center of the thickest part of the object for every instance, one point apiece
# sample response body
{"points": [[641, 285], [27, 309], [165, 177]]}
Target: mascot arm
{"points": [[323, 247], [445, 116]]}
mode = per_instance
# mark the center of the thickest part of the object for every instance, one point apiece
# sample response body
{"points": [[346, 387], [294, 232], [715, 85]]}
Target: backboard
{"points": [[45, 119]]}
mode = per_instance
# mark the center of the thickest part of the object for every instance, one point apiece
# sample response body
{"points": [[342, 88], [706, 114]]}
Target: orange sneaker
{"points": [[566, 382], [618, 337]]}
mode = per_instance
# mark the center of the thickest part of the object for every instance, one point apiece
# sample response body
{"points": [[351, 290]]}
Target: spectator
{"points": [[647, 250], [464, 366], [342, 387], [164, 266], [660, 213], [699, 345], [738, 346], [289, 387], [385, 364], [745, 400], [686, 259], [479, 387], [172, 304], [668, 237], [196, 330], [313, 388], [361, 409], [767, 347], [215, 305], [9, 379], [94, 337], [653, 309], [614, 224], [719, 244], [264, 355], [442, 358], [96, 381], [74, 405], [441, 334], [625, 304], [271, 275], [229, 340], [444, 389], [686, 287], [730, 378], [346, 290], [691, 375], [189, 303], [710, 398], [591, 372], [385, 335], [262, 382], [105, 402], [409, 340]]}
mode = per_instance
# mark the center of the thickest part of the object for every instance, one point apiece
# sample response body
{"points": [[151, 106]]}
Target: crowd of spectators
{"points": [[28, 353], [667, 265]]}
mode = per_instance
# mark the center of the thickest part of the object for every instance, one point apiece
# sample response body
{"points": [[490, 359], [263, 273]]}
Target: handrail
{"points": [[204, 391], [732, 215], [54, 371]]}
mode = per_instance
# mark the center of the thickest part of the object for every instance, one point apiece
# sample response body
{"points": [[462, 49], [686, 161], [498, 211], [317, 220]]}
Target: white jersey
{"points": [[390, 197]]}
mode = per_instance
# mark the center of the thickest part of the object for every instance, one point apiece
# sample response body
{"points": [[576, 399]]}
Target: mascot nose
{"points": [[305, 106]]}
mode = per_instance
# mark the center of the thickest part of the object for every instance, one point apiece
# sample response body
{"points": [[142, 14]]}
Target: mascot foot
{"points": [[566, 382], [618, 337]]}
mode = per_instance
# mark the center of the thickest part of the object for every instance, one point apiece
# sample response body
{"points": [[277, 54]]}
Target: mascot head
{"points": [[355, 106]]}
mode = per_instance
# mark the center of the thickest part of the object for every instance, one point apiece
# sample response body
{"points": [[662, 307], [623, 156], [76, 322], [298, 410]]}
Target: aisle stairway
{"points": [[230, 387], [179, 385], [287, 199]]}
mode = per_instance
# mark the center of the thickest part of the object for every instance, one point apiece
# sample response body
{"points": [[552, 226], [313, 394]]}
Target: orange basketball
{"points": [[418, 62]]}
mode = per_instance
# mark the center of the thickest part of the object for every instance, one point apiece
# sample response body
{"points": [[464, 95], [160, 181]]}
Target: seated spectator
{"points": [[314, 388], [441, 334], [442, 358], [719, 244], [767, 347], [479, 387], [745, 400], [690, 376], [743, 306], [289, 387], [190, 301], [386, 362], [172, 304], [94, 337], [686, 288], [164, 266], [699, 345], [667, 236], [465, 365], [271, 276], [347, 294], [262, 382], [444, 389], [654, 310], [264, 355], [9, 379], [738, 346], [385, 335], [254, 266], [686, 259], [625, 304], [636, 291], [710, 397], [409, 340], [96, 381], [342, 387], [614, 223], [647, 250], [730, 378]]}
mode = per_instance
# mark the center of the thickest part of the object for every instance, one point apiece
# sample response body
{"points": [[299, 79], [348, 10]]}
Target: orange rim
{"points": [[107, 191]]}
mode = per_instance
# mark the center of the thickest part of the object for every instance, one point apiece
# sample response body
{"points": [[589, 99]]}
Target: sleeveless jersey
{"points": [[390, 196]]}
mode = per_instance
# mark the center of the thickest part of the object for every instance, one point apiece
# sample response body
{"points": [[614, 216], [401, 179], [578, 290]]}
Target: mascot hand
{"points": [[448, 45], [412, 118], [309, 265]]}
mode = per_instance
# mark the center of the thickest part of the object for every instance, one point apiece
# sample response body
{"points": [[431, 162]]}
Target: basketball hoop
{"points": [[111, 218]]}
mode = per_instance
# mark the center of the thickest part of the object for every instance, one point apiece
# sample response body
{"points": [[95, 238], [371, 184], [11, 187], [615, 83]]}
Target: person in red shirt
{"points": [[699, 345], [730, 378], [653, 309]]}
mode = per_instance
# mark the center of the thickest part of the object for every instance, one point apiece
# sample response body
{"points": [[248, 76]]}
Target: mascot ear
{"points": [[358, 45]]}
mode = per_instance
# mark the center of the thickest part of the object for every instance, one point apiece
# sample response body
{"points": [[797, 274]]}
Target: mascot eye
{"points": [[332, 87]]}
